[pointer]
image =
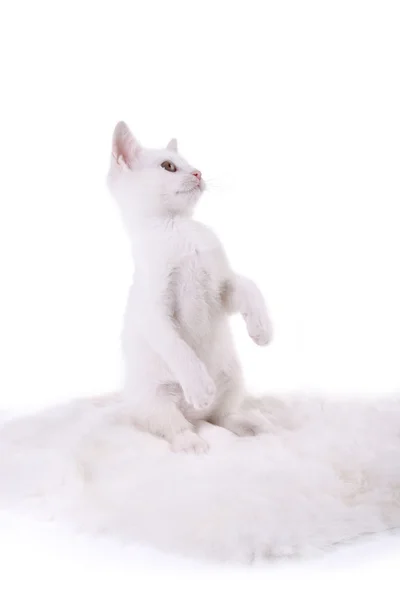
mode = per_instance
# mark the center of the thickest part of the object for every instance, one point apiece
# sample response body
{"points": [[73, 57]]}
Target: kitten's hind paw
{"points": [[245, 423], [188, 441]]}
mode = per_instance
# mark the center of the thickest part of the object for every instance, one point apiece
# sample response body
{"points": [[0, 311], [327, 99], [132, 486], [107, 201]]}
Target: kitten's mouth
{"points": [[192, 189]]}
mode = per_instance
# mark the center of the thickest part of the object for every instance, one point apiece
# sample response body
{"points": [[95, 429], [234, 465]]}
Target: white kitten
{"points": [[180, 362]]}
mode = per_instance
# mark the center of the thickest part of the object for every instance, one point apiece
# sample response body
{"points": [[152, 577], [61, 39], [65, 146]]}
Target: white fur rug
{"points": [[328, 472]]}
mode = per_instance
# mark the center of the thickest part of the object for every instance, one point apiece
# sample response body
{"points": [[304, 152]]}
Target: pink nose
{"points": [[197, 174]]}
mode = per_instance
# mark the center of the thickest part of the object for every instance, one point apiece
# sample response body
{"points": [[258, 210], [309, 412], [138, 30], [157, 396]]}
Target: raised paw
{"points": [[260, 329], [188, 441]]}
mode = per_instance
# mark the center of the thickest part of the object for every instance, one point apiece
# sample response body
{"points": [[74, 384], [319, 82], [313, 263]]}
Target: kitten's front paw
{"points": [[189, 442], [259, 328], [200, 390]]}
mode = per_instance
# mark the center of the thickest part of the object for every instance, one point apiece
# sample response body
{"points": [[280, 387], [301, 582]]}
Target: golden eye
{"points": [[169, 166]]}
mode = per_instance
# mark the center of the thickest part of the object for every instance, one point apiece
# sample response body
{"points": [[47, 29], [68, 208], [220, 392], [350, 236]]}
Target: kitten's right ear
{"points": [[173, 145], [125, 147]]}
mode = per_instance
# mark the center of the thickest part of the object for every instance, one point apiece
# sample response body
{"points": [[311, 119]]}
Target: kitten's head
{"points": [[149, 182]]}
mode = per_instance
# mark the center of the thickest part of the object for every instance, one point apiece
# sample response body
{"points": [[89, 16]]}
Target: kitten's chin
{"points": [[184, 201], [196, 189]]}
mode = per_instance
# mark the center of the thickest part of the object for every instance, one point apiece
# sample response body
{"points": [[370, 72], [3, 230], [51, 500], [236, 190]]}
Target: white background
{"points": [[291, 110]]}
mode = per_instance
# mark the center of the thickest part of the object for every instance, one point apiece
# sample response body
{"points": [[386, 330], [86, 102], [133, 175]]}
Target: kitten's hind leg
{"points": [[244, 422], [231, 415], [159, 414]]}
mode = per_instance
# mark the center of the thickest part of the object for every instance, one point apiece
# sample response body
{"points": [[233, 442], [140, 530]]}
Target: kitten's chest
{"points": [[199, 284]]}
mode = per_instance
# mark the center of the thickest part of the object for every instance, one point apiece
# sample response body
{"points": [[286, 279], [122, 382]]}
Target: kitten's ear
{"points": [[124, 146], [173, 145]]}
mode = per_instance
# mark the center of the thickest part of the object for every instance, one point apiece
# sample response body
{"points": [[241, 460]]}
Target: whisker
{"points": [[213, 185]]}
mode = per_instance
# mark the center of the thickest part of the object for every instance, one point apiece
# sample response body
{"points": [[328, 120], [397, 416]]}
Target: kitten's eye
{"points": [[169, 166]]}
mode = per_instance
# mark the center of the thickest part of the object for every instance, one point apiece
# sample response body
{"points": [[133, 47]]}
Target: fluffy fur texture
{"points": [[181, 366], [327, 472]]}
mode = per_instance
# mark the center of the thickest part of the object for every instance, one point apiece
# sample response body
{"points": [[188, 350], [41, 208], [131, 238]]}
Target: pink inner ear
{"points": [[124, 144]]}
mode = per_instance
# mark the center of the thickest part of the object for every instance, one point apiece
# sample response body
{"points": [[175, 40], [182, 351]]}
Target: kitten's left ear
{"points": [[125, 147], [173, 145]]}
